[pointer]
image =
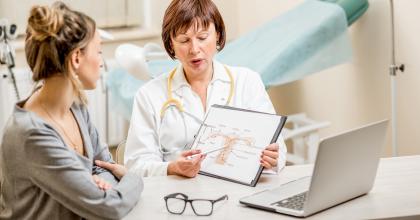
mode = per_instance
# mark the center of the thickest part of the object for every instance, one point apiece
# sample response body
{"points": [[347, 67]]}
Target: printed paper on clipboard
{"points": [[240, 135]]}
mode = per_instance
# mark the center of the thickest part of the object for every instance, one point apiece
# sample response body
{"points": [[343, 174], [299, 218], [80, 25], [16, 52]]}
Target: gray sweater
{"points": [[42, 178]]}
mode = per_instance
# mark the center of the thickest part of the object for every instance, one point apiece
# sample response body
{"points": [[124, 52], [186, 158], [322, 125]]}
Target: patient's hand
{"points": [[116, 169], [269, 156], [185, 167], [101, 183]]}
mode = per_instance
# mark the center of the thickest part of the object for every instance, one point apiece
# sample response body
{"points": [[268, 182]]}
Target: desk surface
{"points": [[396, 192]]}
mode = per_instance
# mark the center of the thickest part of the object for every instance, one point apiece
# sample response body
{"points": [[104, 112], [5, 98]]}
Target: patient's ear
{"points": [[76, 58]]}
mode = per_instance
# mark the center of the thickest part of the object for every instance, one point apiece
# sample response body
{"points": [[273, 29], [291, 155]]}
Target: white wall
{"points": [[408, 52]]}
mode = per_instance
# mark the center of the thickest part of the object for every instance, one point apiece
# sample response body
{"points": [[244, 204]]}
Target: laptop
{"points": [[345, 168]]}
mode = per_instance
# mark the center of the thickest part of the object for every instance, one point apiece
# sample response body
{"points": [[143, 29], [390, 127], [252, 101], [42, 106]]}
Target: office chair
{"points": [[119, 153], [304, 136]]}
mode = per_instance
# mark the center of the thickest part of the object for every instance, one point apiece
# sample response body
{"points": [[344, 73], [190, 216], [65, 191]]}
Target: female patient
{"points": [[50, 144]]}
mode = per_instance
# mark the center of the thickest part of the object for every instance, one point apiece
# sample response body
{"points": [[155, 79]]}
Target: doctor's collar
{"points": [[220, 72], [179, 80]]}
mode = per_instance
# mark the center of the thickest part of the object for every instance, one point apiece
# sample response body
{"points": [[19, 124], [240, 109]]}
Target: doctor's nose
{"points": [[194, 47]]}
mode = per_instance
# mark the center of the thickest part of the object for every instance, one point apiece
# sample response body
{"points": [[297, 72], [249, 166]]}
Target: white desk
{"points": [[396, 193]]}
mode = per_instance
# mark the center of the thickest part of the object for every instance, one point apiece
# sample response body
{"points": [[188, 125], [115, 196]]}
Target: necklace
{"points": [[74, 146]]}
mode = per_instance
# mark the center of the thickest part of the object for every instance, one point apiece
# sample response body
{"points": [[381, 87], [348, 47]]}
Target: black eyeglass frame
{"points": [[186, 200]]}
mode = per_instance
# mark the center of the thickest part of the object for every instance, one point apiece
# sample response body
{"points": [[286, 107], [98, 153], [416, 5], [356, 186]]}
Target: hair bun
{"points": [[44, 22]]}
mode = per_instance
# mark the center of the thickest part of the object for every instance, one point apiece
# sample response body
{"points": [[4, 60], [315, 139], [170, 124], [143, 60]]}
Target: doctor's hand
{"points": [[185, 167], [116, 169], [269, 156]]}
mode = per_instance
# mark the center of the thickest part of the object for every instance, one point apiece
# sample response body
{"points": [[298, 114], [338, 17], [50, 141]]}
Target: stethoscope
{"points": [[173, 102]]}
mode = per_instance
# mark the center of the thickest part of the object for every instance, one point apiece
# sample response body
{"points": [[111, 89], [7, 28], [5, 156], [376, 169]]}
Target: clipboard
{"points": [[241, 135]]}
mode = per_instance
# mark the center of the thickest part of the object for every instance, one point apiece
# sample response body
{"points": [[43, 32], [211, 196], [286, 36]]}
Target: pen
{"points": [[204, 153]]}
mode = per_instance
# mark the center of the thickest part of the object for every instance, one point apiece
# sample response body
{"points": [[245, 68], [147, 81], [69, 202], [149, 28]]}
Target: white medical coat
{"points": [[142, 151]]}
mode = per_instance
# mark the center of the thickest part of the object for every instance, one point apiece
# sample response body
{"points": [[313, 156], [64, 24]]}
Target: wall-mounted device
{"points": [[8, 32]]}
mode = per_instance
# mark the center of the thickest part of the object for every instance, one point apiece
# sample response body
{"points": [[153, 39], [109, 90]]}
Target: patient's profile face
{"points": [[90, 63], [196, 47]]}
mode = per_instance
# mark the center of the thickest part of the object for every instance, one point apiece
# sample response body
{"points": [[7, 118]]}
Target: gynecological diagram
{"points": [[234, 144]]}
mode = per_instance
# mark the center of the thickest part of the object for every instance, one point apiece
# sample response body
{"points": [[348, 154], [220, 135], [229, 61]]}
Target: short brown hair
{"points": [[52, 35], [182, 14]]}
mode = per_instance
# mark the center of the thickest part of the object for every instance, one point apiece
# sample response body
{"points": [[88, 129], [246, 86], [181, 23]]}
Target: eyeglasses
{"points": [[176, 203]]}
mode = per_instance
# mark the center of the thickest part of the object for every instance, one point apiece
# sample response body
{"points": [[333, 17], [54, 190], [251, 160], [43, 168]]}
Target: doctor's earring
{"points": [[217, 47]]}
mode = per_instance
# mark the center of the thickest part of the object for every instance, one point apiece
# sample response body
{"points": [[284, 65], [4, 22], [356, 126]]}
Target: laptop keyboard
{"points": [[295, 202]]}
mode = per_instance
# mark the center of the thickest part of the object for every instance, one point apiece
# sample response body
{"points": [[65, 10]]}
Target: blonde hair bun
{"points": [[52, 35], [45, 21]]}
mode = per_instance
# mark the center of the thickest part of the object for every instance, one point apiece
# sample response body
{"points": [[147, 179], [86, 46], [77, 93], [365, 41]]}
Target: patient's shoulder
{"points": [[21, 121], [20, 125]]}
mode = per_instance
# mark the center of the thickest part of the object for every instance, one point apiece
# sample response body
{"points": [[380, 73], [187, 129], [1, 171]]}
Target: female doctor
{"points": [[169, 110]]}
